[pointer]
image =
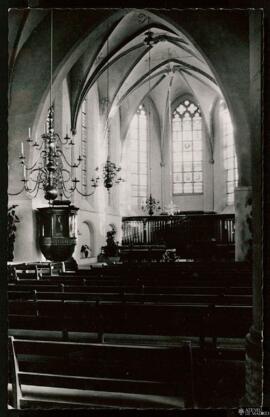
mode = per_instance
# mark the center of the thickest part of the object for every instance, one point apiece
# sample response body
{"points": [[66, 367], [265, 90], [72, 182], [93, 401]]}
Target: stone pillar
{"points": [[209, 191], [243, 215], [162, 185], [254, 376], [253, 368]]}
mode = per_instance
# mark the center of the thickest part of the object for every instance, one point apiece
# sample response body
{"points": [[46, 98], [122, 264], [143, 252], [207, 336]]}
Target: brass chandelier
{"points": [[151, 205], [110, 171], [53, 171]]}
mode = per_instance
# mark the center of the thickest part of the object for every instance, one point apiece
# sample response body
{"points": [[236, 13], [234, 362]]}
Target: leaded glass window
{"points": [[138, 156], [187, 149], [84, 146]]}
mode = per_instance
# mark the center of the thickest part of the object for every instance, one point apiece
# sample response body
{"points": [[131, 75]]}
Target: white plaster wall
{"points": [[219, 171], [100, 209], [155, 156], [115, 155]]}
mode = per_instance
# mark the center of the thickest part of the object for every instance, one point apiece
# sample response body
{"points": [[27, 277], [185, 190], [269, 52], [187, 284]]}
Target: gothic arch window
{"points": [[187, 149], [138, 156], [84, 146], [229, 155]]}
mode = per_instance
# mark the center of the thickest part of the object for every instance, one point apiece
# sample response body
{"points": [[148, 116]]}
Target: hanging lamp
{"points": [[52, 171], [151, 205], [109, 171]]}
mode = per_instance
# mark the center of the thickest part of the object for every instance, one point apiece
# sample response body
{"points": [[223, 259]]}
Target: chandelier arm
{"points": [[39, 176], [40, 146], [67, 196], [19, 192], [31, 190], [72, 189], [64, 189], [58, 137], [36, 144], [69, 164], [38, 188], [69, 175], [33, 166], [43, 175], [83, 194], [38, 181], [40, 169]]}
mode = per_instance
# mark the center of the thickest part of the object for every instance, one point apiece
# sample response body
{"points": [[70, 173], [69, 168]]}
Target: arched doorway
{"points": [[86, 241]]}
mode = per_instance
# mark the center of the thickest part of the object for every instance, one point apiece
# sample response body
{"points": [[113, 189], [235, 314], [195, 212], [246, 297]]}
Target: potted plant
{"points": [[12, 219], [110, 252]]}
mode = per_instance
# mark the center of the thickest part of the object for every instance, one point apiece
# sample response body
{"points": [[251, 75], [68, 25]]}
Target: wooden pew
{"points": [[159, 271], [159, 274], [127, 284], [196, 320], [123, 296], [49, 374], [26, 289]]}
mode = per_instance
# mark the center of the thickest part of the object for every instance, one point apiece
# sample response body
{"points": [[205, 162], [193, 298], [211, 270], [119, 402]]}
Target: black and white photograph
{"points": [[134, 213]]}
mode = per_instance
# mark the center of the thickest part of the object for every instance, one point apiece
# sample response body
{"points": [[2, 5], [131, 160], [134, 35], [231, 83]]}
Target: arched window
{"points": [[137, 156], [187, 149], [229, 156], [84, 146]]}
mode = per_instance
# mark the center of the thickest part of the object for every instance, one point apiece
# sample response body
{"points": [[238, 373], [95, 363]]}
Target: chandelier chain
{"points": [[51, 57]]}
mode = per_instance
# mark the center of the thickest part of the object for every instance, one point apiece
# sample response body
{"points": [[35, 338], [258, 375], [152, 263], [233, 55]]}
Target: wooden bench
{"points": [[150, 272], [128, 296], [48, 374], [171, 287], [189, 320]]}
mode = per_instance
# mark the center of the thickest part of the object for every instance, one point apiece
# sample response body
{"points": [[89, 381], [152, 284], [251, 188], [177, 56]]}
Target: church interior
{"points": [[135, 208]]}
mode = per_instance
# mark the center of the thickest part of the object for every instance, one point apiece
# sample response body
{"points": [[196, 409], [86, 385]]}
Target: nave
{"points": [[134, 208]]}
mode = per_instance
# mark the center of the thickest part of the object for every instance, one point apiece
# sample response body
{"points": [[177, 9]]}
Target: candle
{"points": [[29, 132], [24, 172], [22, 148]]}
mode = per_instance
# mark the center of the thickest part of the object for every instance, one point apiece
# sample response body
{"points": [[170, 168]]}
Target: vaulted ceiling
{"points": [[130, 55], [142, 55], [203, 53]]}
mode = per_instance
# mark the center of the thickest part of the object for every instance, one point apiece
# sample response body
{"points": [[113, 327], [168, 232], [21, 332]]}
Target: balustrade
{"points": [[179, 230]]}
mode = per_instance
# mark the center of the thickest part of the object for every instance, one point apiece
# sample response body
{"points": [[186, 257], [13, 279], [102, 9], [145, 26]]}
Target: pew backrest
{"points": [[149, 370], [198, 320]]}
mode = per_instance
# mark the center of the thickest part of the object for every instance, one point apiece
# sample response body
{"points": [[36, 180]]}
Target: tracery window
{"points": [[187, 149], [138, 156], [84, 146], [229, 155]]}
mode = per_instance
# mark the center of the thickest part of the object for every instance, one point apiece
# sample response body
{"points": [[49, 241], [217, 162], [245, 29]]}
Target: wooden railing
{"points": [[179, 229]]}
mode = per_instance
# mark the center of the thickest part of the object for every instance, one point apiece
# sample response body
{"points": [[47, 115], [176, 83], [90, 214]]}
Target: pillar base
{"points": [[253, 375]]}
